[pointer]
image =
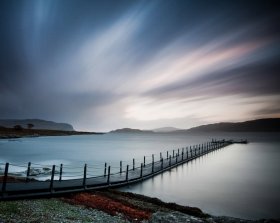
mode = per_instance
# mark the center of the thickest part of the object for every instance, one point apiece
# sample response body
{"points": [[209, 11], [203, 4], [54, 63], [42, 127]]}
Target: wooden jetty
{"points": [[130, 174]]}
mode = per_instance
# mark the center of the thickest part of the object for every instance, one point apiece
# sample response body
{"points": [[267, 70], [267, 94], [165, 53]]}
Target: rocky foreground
{"points": [[105, 206]]}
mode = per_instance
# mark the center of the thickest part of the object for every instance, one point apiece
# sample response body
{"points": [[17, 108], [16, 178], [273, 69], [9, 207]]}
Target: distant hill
{"points": [[166, 129], [259, 125], [129, 130], [37, 124]]}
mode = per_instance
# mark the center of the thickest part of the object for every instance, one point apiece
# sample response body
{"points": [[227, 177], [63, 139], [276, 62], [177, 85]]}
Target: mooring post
{"points": [[199, 150], [182, 154], [4, 183], [105, 169], [85, 176], [190, 151], [120, 167], [141, 170], [178, 152], [153, 163], [60, 172], [133, 163], [176, 158], [144, 161], [109, 172], [187, 154], [28, 171], [160, 155], [167, 155], [170, 160], [161, 163], [173, 153], [126, 177], [52, 178]]}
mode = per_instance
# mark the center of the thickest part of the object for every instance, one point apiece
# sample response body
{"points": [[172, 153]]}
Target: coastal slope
{"points": [[36, 124]]}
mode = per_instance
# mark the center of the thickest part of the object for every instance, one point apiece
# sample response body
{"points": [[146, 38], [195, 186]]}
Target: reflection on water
{"points": [[239, 180]]}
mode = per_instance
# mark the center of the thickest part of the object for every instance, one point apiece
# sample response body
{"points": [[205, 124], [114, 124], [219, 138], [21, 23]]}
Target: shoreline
{"points": [[108, 206], [10, 133]]}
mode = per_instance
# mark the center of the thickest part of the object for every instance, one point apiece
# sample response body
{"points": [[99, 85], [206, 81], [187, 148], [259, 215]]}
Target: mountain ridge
{"points": [[257, 125], [37, 124]]}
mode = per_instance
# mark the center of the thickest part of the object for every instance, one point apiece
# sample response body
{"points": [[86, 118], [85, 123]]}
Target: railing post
{"points": [[144, 161], [133, 163], [52, 178], [28, 171], [105, 169], [4, 183], [109, 172], [85, 176], [126, 177], [120, 167], [141, 170], [60, 172]]}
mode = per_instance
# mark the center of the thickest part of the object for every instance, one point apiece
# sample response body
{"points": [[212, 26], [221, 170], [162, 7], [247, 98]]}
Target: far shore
{"points": [[11, 133]]}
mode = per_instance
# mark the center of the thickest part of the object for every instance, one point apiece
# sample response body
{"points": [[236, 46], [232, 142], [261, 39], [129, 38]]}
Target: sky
{"points": [[103, 65]]}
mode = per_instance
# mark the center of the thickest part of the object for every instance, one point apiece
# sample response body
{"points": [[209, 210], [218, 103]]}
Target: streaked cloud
{"points": [[142, 64]]}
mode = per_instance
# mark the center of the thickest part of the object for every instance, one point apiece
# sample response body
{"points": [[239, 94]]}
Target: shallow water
{"points": [[239, 180]]}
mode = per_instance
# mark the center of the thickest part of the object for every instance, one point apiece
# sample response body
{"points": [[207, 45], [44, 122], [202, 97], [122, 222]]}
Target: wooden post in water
{"points": [[60, 172], [182, 154], [120, 167], [178, 152], [141, 170], [28, 171], [161, 163], [109, 172], [85, 176], [170, 160], [126, 177], [167, 155], [187, 154], [153, 163], [173, 153], [133, 163], [160, 155], [105, 169], [176, 158], [144, 161], [5, 178], [52, 177]]}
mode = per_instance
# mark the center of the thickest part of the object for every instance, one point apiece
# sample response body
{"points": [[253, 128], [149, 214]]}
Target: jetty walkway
{"points": [[12, 187]]}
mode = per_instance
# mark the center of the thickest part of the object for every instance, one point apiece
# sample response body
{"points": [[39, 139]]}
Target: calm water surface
{"points": [[239, 180]]}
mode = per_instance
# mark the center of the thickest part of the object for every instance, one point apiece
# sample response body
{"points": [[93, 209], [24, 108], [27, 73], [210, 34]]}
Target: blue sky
{"points": [[102, 65]]}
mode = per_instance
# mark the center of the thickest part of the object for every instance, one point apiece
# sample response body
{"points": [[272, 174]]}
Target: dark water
{"points": [[239, 180]]}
